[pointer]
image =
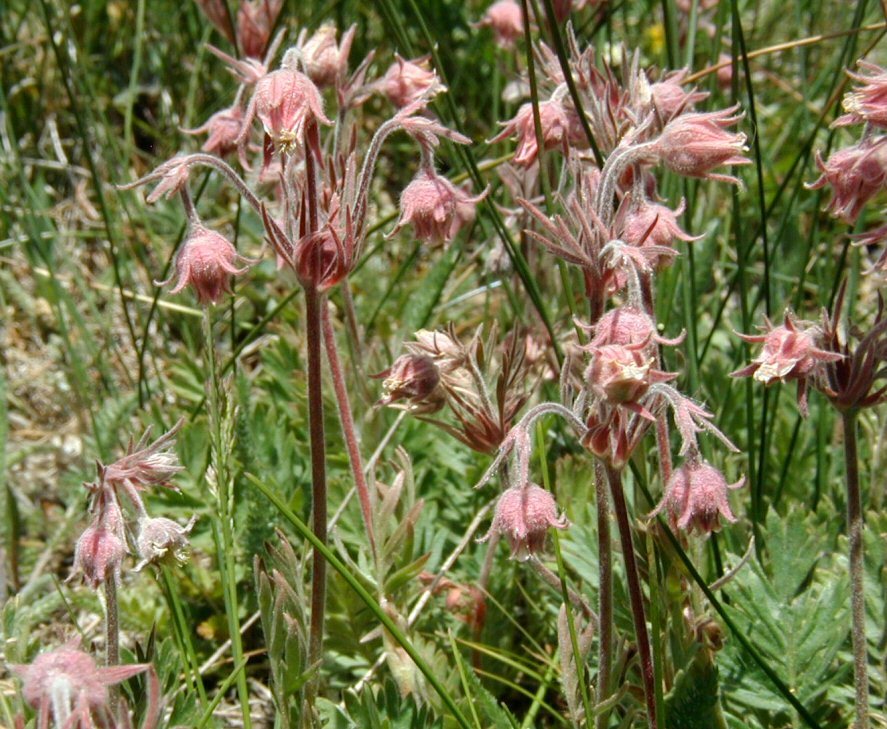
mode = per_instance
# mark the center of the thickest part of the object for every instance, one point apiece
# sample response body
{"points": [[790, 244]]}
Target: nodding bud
{"points": [[694, 144], [560, 128], [206, 261], [322, 259], [670, 98], [621, 374], [255, 21], [67, 684], [868, 102], [855, 175], [101, 548], [435, 207], [523, 516], [407, 82], [696, 498], [163, 540], [505, 18], [627, 326], [286, 102], [413, 378], [650, 224], [323, 59], [223, 128]]}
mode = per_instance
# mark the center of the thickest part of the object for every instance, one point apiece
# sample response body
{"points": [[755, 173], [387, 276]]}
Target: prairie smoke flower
{"points": [[627, 326], [67, 685], [523, 516], [855, 174], [206, 261], [789, 353], [505, 18], [435, 207], [670, 98], [414, 378], [868, 102], [101, 548], [145, 464], [560, 128], [621, 374], [223, 129], [651, 224], [694, 144], [216, 12], [286, 102], [255, 21], [696, 498], [408, 82], [324, 60], [160, 539]]}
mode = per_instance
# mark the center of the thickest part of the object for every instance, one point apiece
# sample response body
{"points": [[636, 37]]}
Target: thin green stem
{"points": [[605, 593]]}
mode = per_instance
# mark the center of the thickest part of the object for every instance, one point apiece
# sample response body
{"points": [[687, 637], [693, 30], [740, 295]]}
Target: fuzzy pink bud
{"points": [[696, 498], [622, 374], [505, 18], [412, 377], [205, 261], [287, 102], [325, 60], [101, 549], [407, 82], [855, 175], [868, 102], [670, 98], [560, 128], [523, 516], [435, 207], [223, 129], [694, 144], [648, 224], [625, 325]]}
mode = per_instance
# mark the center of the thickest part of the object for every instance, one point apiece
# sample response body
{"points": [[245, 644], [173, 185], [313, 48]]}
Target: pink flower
{"points": [[161, 539], [324, 60], [223, 128], [414, 378], [622, 374], [855, 174], [694, 144], [505, 18], [648, 224], [408, 82], [696, 498], [435, 207], [523, 516], [67, 685], [255, 21], [99, 552], [627, 326], [560, 128], [145, 464], [286, 102], [670, 98], [789, 353], [206, 261], [868, 102]]}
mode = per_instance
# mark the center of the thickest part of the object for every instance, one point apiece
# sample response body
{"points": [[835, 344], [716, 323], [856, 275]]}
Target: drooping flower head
{"points": [[696, 498], [627, 326], [101, 548], [324, 59], [560, 129], [413, 378], [505, 19], [855, 175], [67, 685], [694, 144], [206, 261], [407, 82], [524, 514], [622, 374], [670, 98], [160, 539], [789, 353], [435, 207], [647, 224], [868, 101], [223, 129]]}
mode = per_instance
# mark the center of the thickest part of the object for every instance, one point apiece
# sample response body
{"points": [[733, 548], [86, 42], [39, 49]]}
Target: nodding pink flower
{"points": [[789, 353], [286, 102], [694, 144], [868, 102], [696, 498], [650, 224], [435, 207], [206, 262], [324, 60], [855, 174], [523, 516], [408, 82], [670, 98], [627, 326], [560, 128], [161, 539], [505, 18], [173, 176], [101, 548], [145, 464], [621, 374], [67, 685], [223, 128], [255, 21], [414, 378]]}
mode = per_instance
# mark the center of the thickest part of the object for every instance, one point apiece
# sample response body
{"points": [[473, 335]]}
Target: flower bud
{"points": [[223, 128], [696, 498], [255, 21], [323, 59], [407, 82], [162, 539], [523, 516], [412, 377], [560, 128], [506, 21], [99, 554]]}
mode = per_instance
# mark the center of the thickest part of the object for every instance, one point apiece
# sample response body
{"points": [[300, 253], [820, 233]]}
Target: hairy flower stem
{"points": [[857, 599], [346, 419], [635, 594], [605, 593], [112, 635]]}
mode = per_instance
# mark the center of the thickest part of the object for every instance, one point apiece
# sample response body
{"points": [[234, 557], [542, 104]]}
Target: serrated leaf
{"points": [[693, 701]]}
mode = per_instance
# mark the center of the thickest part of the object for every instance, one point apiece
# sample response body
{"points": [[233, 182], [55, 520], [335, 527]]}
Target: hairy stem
{"points": [[854, 530], [112, 635], [635, 594], [605, 592], [346, 419]]}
